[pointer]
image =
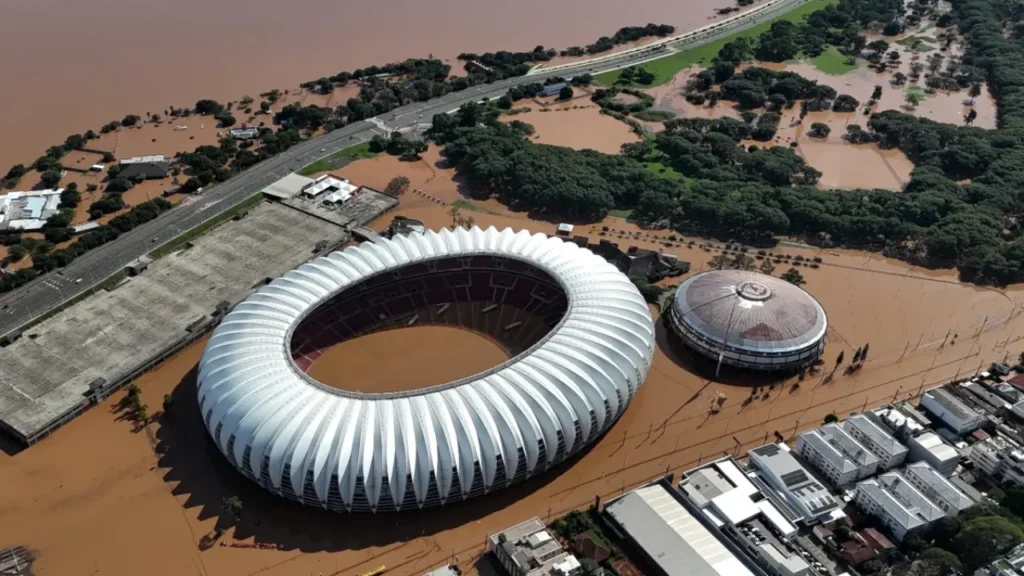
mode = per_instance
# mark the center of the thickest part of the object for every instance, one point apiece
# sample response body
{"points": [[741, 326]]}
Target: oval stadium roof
{"points": [[750, 310], [279, 426]]}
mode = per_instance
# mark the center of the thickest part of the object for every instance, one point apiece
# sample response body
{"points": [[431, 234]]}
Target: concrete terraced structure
{"points": [[579, 334], [749, 320]]}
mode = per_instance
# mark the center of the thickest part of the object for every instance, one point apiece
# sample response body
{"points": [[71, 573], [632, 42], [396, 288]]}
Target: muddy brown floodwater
{"points": [[406, 359], [103, 60], [97, 497]]}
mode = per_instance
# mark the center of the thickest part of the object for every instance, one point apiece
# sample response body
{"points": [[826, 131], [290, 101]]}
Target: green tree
{"points": [[50, 178], [650, 292], [16, 252], [168, 402], [208, 107], [984, 539], [974, 92], [831, 418], [793, 276], [913, 98], [766, 266], [839, 359], [565, 93], [819, 130], [719, 262], [939, 562], [397, 185], [232, 507], [876, 94], [130, 120], [742, 262]]}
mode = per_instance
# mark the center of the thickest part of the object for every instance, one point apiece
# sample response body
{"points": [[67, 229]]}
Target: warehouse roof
{"points": [[671, 537]]}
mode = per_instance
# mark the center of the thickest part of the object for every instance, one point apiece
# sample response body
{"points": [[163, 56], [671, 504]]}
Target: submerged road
{"points": [[42, 296]]}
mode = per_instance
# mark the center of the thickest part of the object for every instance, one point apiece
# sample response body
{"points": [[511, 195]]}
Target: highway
{"points": [[20, 307]]}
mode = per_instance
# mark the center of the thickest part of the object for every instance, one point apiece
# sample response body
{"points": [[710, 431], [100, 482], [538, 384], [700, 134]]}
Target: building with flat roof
{"points": [[727, 498], [931, 448], [952, 411], [889, 451], [1011, 564], [898, 422], [244, 133], [330, 189], [528, 549], [673, 541], [937, 488], [28, 211], [836, 455], [143, 159], [290, 186], [1000, 458], [897, 504], [725, 493], [777, 469]]}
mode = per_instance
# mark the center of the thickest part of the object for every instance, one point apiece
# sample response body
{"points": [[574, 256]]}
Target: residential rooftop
{"points": [[942, 487], [841, 449], [799, 487], [882, 441]]}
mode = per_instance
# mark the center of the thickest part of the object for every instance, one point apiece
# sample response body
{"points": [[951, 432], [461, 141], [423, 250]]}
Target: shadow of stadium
{"points": [[195, 469], [697, 364]]}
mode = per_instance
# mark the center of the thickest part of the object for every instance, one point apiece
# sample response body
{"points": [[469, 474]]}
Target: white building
{"points": [[952, 411], [143, 159], [896, 503], [999, 457], [670, 537], [836, 455], [244, 133], [883, 445], [1011, 564], [28, 210], [898, 422], [527, 549], [937, 488], [337, 190], [931, 448], [778, 471]]}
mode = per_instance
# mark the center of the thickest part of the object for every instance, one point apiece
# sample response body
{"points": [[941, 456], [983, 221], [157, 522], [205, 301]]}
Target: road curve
{"points": [[40, 297]]}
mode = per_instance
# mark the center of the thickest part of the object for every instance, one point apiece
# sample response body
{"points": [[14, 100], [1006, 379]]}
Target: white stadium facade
{"points": [[579, 335]]}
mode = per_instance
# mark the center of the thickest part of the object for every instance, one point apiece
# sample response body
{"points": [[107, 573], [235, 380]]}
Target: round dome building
{"points": [[749, 320]]}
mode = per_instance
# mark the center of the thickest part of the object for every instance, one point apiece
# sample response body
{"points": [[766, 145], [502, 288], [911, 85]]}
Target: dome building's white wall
{"points": [[350, 451]]}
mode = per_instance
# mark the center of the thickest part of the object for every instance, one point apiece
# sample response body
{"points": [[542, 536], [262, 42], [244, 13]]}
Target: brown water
{"points": [[406, 359], [142, 504], [72, 66]]}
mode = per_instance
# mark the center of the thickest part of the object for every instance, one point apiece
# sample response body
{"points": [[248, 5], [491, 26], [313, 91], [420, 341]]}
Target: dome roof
{"points": [[569, 387], [750, 311]]}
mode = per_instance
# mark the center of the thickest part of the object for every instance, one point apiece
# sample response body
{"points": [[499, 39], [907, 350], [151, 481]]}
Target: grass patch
{"points": [[917, 43], [665, 68], [339, 159], [473, 207], [652, 115], [831, 61], [176, 243], [624, 214]]}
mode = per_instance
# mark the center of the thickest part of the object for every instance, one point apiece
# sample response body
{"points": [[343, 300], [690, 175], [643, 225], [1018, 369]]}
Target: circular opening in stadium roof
{"points": [[430, 323]]}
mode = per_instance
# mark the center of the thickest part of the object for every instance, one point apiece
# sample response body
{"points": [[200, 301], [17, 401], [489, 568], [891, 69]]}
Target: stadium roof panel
{"points": [[284, 430]]}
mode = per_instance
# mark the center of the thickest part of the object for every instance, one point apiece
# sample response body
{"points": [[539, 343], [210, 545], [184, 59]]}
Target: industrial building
{"points": [[749, 320], [736, 507], [836, 455], [896, 503], [889, 451], [27, 211], [672, 540], [952, 411], [528, 549], [937, 488], [778, 471], [931, 448]]}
